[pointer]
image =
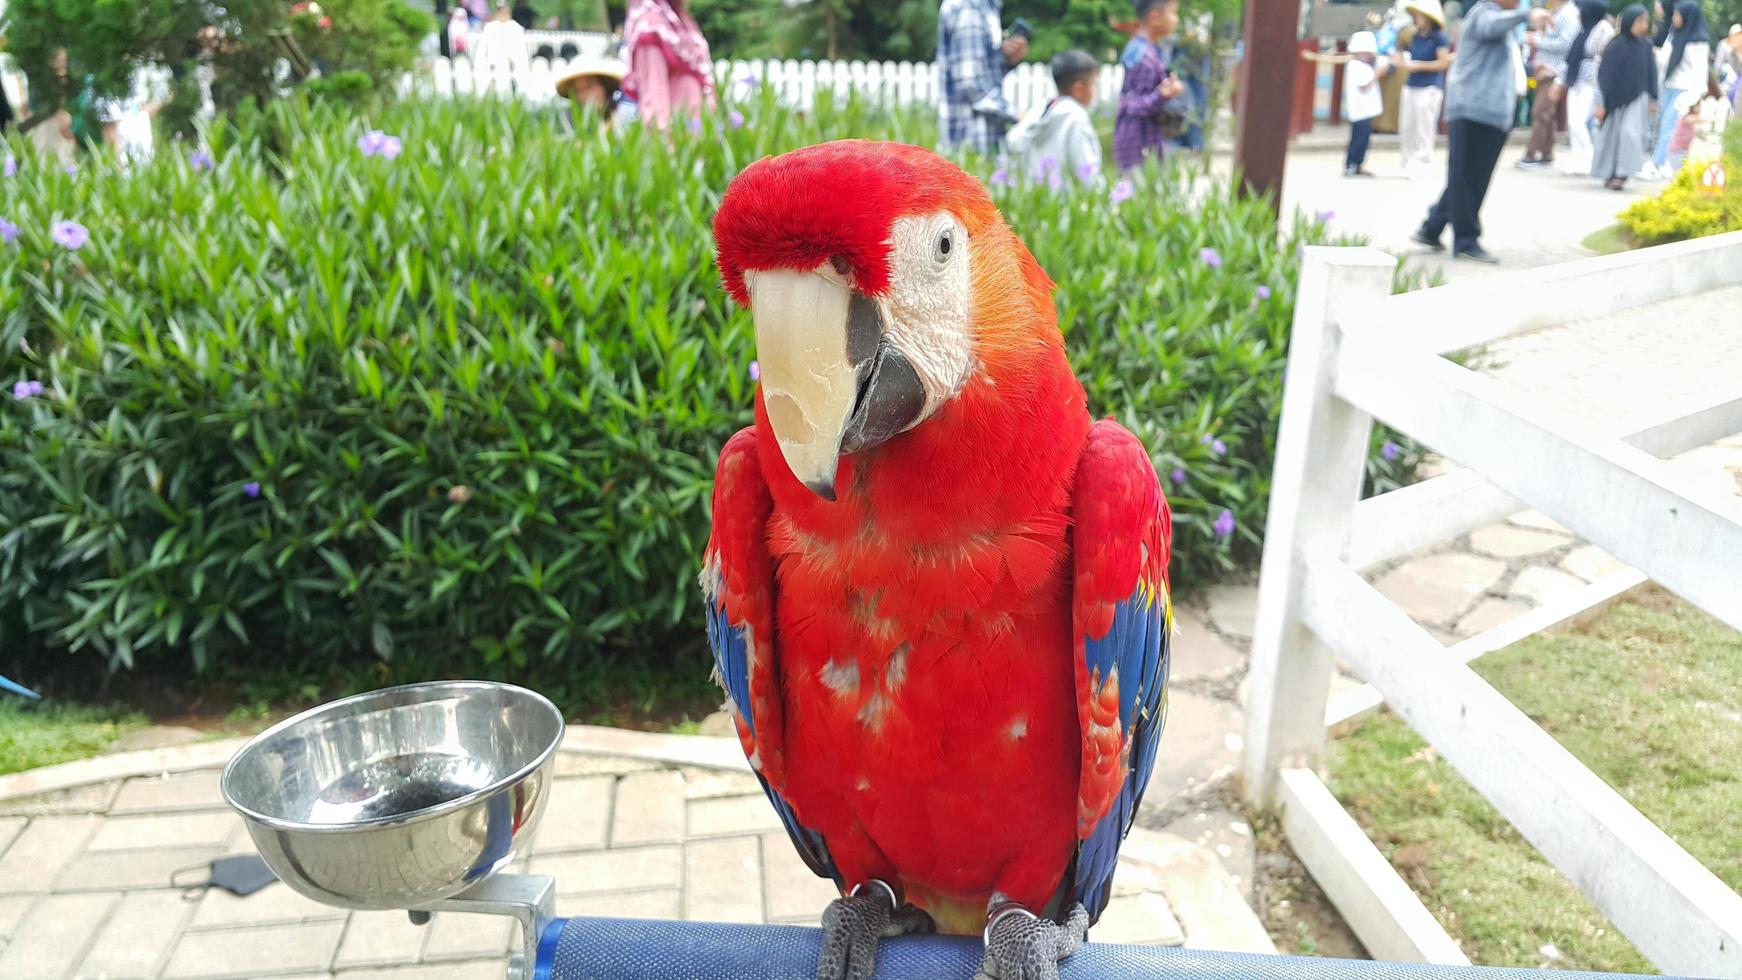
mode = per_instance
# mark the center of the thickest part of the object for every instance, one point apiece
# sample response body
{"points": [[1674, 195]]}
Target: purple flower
{"points": [[1224, 525], [8, 232], [1211, 257], [1087, 170], [1325, 216], [1178, 476], [1263, 292], [1122, 191], [69, 234], [1219, 447], [1047, 165], [1001, 178], [695, 124], [251, 489], [11, 165], [1205, 439], [1390, 450], [755, 370], [750, 80], [735, 118], [201, 159], [1052, 181], [69, 169], [26, 389], [375, 143]]}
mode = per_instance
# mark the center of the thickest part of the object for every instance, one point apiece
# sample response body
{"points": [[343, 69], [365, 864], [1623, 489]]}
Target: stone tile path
{"points": [[85, 887]]}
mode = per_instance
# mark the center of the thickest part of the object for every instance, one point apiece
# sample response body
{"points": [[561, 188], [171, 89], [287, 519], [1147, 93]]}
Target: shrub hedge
{"points": [[1691, 206], [309, 400]]}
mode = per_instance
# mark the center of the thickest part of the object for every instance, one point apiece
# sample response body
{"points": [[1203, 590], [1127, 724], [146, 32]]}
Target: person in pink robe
{"points": [[670, 71]]}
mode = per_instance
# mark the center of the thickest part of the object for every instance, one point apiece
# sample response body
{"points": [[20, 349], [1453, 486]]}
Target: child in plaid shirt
{"points": [[1152, 105]]}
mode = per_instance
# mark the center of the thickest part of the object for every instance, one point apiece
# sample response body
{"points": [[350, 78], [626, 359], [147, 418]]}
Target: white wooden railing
{"points": [[1351, 363], [795, 83]]}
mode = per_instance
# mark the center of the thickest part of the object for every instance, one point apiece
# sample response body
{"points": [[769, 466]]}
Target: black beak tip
{"points": [[823, 488]]}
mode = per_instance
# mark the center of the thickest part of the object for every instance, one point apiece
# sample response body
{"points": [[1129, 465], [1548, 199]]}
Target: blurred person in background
{"points": [[1363, 101], [1056, 142], [1424, 87], [974, 55], [1686, 57], [1628, 79], [47, 118], [670, 70], [1153, 103], [1552, 45], [1595, 33], [1481, 96], [593, 87], [501, 41]]}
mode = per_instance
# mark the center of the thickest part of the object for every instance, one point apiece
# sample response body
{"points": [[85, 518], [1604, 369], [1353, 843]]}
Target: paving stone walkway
{"points": [[85, 877]]}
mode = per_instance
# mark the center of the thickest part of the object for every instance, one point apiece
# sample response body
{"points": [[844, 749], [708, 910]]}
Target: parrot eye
{"points": [[944, 246]]}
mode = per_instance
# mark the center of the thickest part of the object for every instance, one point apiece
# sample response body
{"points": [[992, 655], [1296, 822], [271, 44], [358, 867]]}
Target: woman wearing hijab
{"points": [[669, 67], [1687, 62], [1595, 32], [1627, 79]]}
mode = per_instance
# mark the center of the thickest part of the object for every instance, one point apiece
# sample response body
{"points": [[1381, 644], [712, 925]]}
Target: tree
{"points": [[581, 15], [377, 38], [107, 41], [902, 30], [1084, 24]]}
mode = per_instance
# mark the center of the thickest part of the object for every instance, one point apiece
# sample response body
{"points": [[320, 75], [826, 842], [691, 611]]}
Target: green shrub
{"points": [[374, 38], [344, 86], [1687, 208], [479, 389], [107, 41]]}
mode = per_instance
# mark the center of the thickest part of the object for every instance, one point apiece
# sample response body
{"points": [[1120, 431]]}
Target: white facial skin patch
{"points": [[926, 312]]}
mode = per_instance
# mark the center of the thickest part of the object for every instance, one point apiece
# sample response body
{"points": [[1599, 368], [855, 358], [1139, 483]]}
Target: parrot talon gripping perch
{"points": [[853, 925], [1023, 946]]}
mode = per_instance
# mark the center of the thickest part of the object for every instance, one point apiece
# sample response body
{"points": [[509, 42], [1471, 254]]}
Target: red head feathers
{"points": [[837, 201]]}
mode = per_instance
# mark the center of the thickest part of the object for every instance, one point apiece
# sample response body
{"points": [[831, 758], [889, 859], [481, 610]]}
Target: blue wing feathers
{"points": [[1137, 643], [732, 660]]}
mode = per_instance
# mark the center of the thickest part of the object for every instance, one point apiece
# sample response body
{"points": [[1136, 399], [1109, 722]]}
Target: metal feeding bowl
{"points": [[401, 798]]}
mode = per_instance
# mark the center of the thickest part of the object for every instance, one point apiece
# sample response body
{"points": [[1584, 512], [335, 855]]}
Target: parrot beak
{"points": [[830, 383]]}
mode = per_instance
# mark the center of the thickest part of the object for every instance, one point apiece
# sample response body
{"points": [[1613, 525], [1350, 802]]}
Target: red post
{"points": [[1337, 86], [1306, 86], [1266, 96]]}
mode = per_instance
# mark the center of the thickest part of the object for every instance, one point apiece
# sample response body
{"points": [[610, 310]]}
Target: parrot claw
{"points": [[853, 925], [1023, 946]]}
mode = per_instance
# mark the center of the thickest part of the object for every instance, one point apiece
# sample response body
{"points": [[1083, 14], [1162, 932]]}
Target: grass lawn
{"points": [[1649, 696], [33, 734], [1609, 240]]}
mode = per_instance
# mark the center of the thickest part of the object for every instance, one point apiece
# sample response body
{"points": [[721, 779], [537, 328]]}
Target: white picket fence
{"points": [[795, 83], [1350, 364]]}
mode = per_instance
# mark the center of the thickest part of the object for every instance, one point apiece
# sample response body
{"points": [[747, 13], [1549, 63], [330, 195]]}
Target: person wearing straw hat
{"points": [[595, 85], [1424, 90]]}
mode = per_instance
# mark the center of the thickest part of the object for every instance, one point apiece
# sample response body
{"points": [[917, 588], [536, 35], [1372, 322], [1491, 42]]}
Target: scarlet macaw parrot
{"points": [[937, 591]]}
